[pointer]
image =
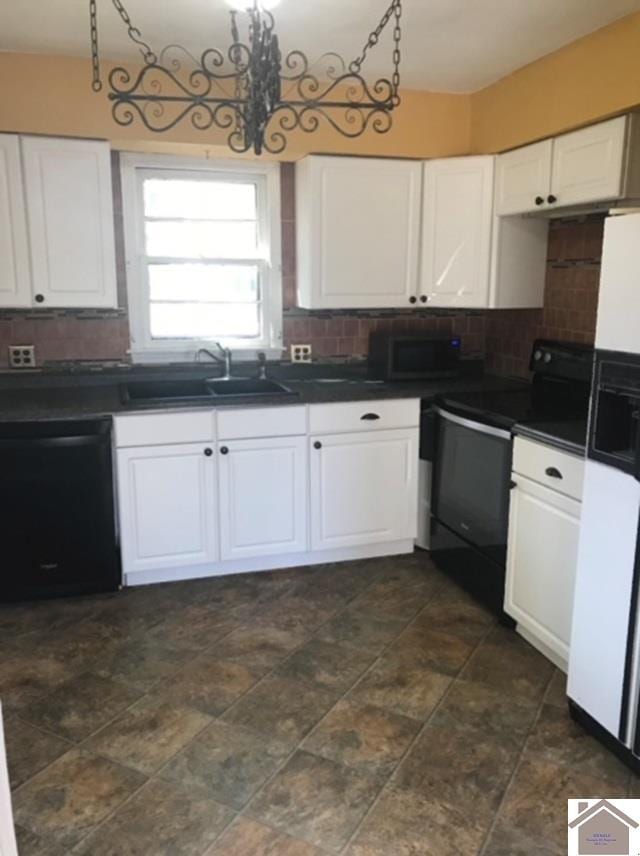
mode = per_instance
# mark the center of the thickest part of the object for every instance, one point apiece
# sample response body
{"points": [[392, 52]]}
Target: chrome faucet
{"points": [[262, 365], [224, 360]]}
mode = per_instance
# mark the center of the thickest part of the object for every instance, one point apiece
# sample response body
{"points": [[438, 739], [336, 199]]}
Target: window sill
{"points": [[154, 355]]}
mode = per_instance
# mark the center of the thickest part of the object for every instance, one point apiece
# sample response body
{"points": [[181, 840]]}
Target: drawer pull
{"points": [[553, 473], [370, 417]]}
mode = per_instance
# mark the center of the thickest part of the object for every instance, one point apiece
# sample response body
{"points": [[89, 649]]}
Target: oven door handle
{"points": [[480, 427]]}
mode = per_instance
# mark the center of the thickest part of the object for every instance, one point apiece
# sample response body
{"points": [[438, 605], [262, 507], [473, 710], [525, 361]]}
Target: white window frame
{"points": [[267, 179]]}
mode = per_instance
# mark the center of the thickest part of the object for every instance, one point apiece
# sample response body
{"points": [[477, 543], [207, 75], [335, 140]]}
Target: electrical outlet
{"points": [[22, 356], [300, 353]]}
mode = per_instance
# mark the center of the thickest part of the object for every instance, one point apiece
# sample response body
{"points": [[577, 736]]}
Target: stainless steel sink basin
{"points": [[248, 386]]}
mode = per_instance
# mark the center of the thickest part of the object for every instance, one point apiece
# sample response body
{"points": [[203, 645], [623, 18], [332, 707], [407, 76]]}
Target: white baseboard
{"points": [[269, 563], [544, 649]]}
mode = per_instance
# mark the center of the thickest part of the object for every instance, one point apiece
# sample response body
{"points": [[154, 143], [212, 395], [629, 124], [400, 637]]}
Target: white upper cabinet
{"points": [[263, 496], [596, 164], [589, 164], [456, 234], [70, 222], [15, 282], [523, 179], [358, 225]]}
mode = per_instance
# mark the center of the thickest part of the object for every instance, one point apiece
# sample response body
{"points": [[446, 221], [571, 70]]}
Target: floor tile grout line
{"points": [[417, 736], [88, 666], [516, 767], [148, 779], [298, 746], [156, 775]]}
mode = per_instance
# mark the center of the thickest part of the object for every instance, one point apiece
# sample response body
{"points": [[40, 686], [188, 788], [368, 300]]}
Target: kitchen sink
{"points": [[165, 390], [248, 386], [156, 391]]}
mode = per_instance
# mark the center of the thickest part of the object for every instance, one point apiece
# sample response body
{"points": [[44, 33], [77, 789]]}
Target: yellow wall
{"points": [[52, 95], [590, 79], [593, 78]]}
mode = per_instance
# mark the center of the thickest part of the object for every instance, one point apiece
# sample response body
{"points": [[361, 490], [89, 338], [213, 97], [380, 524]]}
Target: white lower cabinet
{"points": [[167, 497], [363, 488], [542, 554], [263, 496], [192, 505]]}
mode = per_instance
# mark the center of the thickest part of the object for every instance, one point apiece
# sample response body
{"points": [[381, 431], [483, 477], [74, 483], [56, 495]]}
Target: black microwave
{"points": [[395, 356]]}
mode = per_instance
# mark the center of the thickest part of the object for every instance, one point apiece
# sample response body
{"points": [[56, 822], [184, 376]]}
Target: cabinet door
{"points": [[456, 237], [167, 506], [358, 232], [523, 179], [363, 488], [15, 281], [588, 164], [263, 496], [542, 558], [70, 218]]}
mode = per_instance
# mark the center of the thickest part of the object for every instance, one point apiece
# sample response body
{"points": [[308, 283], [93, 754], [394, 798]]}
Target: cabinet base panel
{"points": [[268, 563], [557, 659]]}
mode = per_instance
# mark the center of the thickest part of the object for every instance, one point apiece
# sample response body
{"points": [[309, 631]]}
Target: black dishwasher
{"points": [[57, 509]]}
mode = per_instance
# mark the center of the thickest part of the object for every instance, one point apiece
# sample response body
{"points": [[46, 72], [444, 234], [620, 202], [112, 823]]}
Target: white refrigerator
{"points": [[604, 665]]}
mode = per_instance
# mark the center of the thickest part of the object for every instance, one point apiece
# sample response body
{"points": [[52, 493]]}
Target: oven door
{"points": [[471, 482]]}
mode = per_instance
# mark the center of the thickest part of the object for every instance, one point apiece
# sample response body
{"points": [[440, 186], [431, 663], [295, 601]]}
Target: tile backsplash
{"points": [[502, 337], [570, 300]]}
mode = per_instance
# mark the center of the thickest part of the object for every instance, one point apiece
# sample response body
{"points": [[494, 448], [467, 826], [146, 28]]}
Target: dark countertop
{"points": [[569, 435], [47, 395]]}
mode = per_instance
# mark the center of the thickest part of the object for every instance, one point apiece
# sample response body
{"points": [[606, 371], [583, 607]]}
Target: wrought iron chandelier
{"points": [[252, 91]]}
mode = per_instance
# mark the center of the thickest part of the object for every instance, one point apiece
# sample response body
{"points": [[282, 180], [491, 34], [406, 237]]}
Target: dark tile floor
{"points": [[367, 709]]}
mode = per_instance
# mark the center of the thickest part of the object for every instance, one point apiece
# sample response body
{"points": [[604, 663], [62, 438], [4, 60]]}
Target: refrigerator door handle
{"points": [[636, 422]]}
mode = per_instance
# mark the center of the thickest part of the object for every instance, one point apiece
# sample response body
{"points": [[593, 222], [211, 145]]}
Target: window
{"points": [[203, 255]]}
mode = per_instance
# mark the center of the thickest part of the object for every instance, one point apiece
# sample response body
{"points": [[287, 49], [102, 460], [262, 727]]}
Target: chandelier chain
{"points": [[96, 83], [240, 91], [395, 11], [134, 33]]}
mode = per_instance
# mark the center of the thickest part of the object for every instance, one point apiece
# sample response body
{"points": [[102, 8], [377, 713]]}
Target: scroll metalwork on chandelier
{"points": [[251, 90]]}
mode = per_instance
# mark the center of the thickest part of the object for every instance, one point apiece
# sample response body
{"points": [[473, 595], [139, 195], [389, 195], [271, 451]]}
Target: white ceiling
{"points": [[448, 45]]}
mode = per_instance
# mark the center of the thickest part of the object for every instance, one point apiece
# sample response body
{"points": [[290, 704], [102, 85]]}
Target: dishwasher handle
{"points": [[16, 443]]}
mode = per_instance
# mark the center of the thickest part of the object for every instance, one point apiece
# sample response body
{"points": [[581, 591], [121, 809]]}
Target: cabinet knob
{"points": [[413, 299], [317, 445], [208, 452], [39, 298], [512, 484], [553, 473], [423, 298], [539, 200], [551, 199], [224, 450]]}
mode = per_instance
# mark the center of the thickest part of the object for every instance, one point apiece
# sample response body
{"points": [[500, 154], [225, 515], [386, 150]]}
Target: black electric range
{"points": [[469, 438], [556, 401]]}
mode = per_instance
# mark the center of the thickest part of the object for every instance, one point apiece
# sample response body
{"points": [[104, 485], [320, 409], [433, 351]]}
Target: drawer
{"points": [[157, 429], [537, 460], [239, 424], [364, 416]]}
